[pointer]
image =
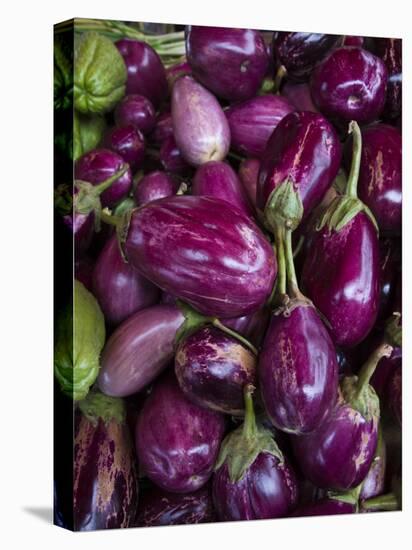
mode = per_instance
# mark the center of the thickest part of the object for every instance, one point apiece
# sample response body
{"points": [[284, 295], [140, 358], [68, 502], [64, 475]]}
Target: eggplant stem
{"points": [[367, 370], [352, 182], [290, 265], [387, 502], [249, 424], [110, 219], [101, 187], [280, 253], [218, 324], [280, 74]]}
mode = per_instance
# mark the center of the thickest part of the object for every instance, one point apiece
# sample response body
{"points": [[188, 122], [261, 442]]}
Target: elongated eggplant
{"points": [[214, 258], [105, 488], [252, 122], [127, 142], [248, 174], [153, 186], [177, 441], [136, 110], [230, 62], [390, 51]]}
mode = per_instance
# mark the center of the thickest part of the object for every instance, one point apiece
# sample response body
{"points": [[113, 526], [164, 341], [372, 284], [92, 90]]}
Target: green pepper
{"points": [[87, 133]]}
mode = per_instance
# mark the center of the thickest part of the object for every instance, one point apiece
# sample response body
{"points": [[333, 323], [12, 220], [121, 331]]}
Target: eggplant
{"points": [[177, 441], [214, 258], [298, 94], [248, 175], [325, 507], [171, 158], [137, 111], [374, 482], [153, 186], [230, 62], [173, 72], [212, 369], [118, 287], [200, 127], [390, 51], [105, 487], [163, 128], [394, 394], [252, 122], [82, 227], [350, 84], [127, 142], [389, 254], [83, 271], [159, 507], [384, 371], [341, 269], [253, 326], [252, 478], [300, 52], [218, 179], [146, 74]]}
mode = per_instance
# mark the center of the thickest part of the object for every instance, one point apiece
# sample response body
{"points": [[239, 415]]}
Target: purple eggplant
{"points": [[350, 84], [105, 489], [176, 71], [171, 158], [230, 62], [159, 507], [341, 269], [177, 441], [155, 185], [253, 326], [389, 254], [146, 74], [252, 122], [127, 142], [218, 179], [83, 271], [394, 394], [214, 258], [248, 174], [300, 52], [200, 127], [252, 478], [298, 94], [374, 482], [325, 507], [163, 129], [390, 51], [212, 369], [82, 227], [137, 111], [384, 371], [118, 287]]}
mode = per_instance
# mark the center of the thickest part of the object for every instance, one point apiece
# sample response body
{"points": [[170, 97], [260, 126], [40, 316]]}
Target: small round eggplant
{"points": [[390, 51], [252, 122], [200, 127], [172, 159], [163, 129], [153, 186], [177, 441], [325, 507], [248, 174], [230, 62], [212, 369], [136, 110], [298, 94], [127, 142], [350, 84]]}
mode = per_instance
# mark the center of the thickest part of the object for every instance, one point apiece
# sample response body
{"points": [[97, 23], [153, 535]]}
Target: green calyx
{"points": [[393, 330], [241, 447], [350, 497], [99, 406], [341, 211], [283, 208]]}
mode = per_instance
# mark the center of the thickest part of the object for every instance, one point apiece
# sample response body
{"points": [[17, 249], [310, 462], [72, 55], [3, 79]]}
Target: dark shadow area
{"points": [[41, 512]]}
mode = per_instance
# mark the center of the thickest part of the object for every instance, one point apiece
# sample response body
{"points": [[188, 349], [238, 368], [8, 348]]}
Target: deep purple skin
{"points": [[339, 453], [97, 166], [157, 507], [253, 326], [146, 74], [298, 94], [390, 51], [267, 490], [341, 276], [214, 258], [213, 368], [200, 128], [248, 174], [83, 270], [394, 394], [389, 254], [153, 186], [82, 227], [127, 142], [324, 507], [350, 84], [177, 441], [230, 62], [172, 159], [163, 128], [138, 350], [176, 71], [137, 111], [374, 483], [304, 147], [118, 287], [298, 371], [252, 122], [218, 179], [105, 489], [300, 52], [351, 40], [384, 371]]}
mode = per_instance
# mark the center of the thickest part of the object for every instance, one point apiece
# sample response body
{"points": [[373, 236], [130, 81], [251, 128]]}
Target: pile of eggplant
{"points": [[234, 342]]}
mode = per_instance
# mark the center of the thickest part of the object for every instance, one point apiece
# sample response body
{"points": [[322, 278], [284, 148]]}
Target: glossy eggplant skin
{"points": [[384, 371], [267, 490], [153, 186], [127, 142], [177, 441], [218, 179], [298, 94], [230, 62], [350, 84], [212, 369], [305, 148], [82, 227], [374, 482], [159, 507], [214, 258], [138, 350], [324, 507], [253, 326], [171, 158], [341, 276], [136, 110], [252, 122], [300, 52], [298, 371], [249, 174], [390, 262], [390, 51]]}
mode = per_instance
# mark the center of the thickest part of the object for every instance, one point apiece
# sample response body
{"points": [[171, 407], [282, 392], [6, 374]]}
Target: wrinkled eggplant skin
{"points": [[350, 84], [339, 453], [253, 326], [127, 142], [146, 74], [177, 441], [390, 51], [248, 174], [230, 62], [105, 484], [159, 507], [267, 490], [212, 369], [214, 258], [374, 483], [136, 110], [252, 122], [138, 350], [298, 94], [305, 148], [341, 276], [218, 179], [394, 394], [298, 371], [300, 52], [324, 507], [153, 186]]}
